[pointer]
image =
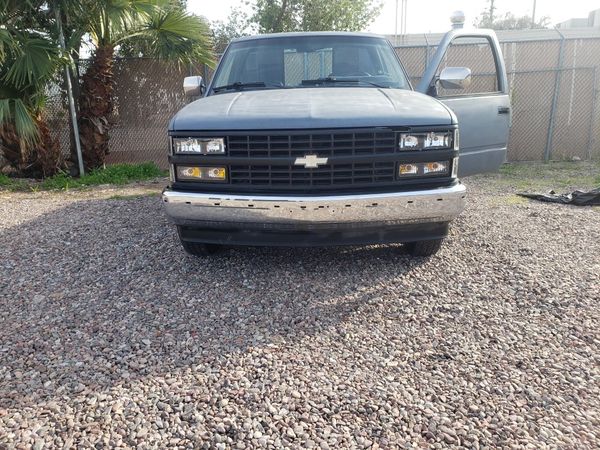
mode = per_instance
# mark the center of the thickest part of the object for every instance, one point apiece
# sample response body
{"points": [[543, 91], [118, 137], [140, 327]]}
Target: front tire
{"points": [[198, 248], [424, 248]]}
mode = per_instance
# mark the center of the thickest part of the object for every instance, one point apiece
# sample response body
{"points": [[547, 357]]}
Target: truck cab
{"points": [[314, 139]]}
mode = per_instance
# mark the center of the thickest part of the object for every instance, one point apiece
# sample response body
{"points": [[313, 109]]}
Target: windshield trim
{"points": [[209, 90]]}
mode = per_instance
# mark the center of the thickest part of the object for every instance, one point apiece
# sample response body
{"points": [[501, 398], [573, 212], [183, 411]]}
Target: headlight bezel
{"points": [[204, 146], [425, 140], [421, 171]]}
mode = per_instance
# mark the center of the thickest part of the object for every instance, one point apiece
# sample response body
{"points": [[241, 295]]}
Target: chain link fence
{"points": [[554, 85], [554, 89]]}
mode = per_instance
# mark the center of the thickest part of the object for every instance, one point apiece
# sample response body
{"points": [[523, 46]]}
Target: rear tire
{"points": [[424, 248]]}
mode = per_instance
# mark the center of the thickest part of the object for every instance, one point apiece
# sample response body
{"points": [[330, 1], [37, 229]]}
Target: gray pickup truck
{"points": [[314, 139]]}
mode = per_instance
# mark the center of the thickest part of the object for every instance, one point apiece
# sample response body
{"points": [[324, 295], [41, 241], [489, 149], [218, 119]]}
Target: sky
{"points": [[424, 16]]}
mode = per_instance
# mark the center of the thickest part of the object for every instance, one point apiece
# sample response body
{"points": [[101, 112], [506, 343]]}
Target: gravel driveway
{"points": [[110, 336]]}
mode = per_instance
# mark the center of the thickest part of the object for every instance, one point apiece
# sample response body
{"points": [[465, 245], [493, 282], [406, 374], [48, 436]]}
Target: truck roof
{"points": [[306, 33]]}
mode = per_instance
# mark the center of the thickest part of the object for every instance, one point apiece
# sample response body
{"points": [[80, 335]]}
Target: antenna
{"points": [[403, 13]]}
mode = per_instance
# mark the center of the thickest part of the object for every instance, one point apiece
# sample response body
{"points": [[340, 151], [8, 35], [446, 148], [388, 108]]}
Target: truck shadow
{"points": [[99, 293]]}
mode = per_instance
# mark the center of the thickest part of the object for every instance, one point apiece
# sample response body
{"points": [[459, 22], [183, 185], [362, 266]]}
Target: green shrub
{"points": [[116, 174]]}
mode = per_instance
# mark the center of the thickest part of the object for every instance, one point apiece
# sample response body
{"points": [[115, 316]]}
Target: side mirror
{"points": [[455, 77], [193, 86]]}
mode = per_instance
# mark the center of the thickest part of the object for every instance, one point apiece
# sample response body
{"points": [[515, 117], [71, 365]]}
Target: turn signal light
{"points": [[409, 169], [435, 167], [424, 169], [198, 173]]}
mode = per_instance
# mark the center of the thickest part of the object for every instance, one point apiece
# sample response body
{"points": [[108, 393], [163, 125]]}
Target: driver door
{"points": [[483, 107]]}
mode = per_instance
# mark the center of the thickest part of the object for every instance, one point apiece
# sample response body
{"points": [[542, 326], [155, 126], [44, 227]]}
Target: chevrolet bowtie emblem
{"points": [[310, 161]]}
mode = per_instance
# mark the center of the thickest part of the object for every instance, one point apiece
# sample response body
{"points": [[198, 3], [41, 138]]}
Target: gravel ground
{"points": [[110, 336]]}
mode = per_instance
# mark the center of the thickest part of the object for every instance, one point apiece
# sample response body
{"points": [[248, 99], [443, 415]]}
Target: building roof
{"points": [[305, 33], [545, 34]]}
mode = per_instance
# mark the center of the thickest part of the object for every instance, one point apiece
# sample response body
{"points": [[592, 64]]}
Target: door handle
{"points": [[503, 109]]}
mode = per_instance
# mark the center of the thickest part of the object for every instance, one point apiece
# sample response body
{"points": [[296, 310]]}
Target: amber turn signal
{"points": [[199, 173]]}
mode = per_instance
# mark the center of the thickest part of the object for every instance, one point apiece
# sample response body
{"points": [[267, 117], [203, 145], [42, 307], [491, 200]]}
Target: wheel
{"points": [[424, 248], [199, 248]]}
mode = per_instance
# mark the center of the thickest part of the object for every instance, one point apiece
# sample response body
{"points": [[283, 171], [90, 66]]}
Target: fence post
{"points": [[72, 109], [426, 52], [594, 112], [557, 79]]}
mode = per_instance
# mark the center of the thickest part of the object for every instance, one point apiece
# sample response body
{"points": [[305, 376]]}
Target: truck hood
{"points": [[331, 107]]}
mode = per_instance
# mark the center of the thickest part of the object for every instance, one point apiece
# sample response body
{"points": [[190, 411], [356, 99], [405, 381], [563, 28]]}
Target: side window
{"points": [[476, 54]]}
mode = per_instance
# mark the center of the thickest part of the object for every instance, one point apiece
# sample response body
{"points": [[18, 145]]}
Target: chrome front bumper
{"points": [[398, 208]]}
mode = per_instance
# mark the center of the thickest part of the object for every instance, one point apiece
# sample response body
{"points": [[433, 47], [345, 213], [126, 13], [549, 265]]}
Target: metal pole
{"points": [[404, 18], [561, 56], [426, 52], [593, 115], [533, 14], [61, 39], [396, 26]]}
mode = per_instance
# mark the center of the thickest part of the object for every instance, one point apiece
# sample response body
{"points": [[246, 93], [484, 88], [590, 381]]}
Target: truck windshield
{"points": [[308, 61]]}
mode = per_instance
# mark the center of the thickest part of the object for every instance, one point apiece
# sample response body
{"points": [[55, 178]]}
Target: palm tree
{"points": [[29, 59], [161, 28]]}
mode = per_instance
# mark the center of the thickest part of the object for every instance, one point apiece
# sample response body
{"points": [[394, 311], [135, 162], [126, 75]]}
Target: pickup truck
{"points": [[314, 139]]}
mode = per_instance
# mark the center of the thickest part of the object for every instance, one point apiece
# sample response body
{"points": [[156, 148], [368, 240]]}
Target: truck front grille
{"points": [[327, 175], [323, 144], [359, 159]]}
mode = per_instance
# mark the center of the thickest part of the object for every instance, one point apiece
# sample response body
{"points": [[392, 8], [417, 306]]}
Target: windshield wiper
{"points": [[238, 86], [324, 80]]}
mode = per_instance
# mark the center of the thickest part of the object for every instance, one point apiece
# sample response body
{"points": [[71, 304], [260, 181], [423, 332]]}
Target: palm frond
{"points": [[5, 41], [173, 34], [14, 111], [34, 61], [25, 122], [108, 20]]}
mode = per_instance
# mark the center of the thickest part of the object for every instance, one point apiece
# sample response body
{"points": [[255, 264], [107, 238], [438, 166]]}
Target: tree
{"points": [[339, 15], [276, 16], [161, 28], [29, 60], [237, 25], [488, 19]]}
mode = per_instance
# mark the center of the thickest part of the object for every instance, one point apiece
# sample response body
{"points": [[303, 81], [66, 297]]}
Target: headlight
{"points": [[435, 140], [426, 169], [199, 146], [197, 173]]}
